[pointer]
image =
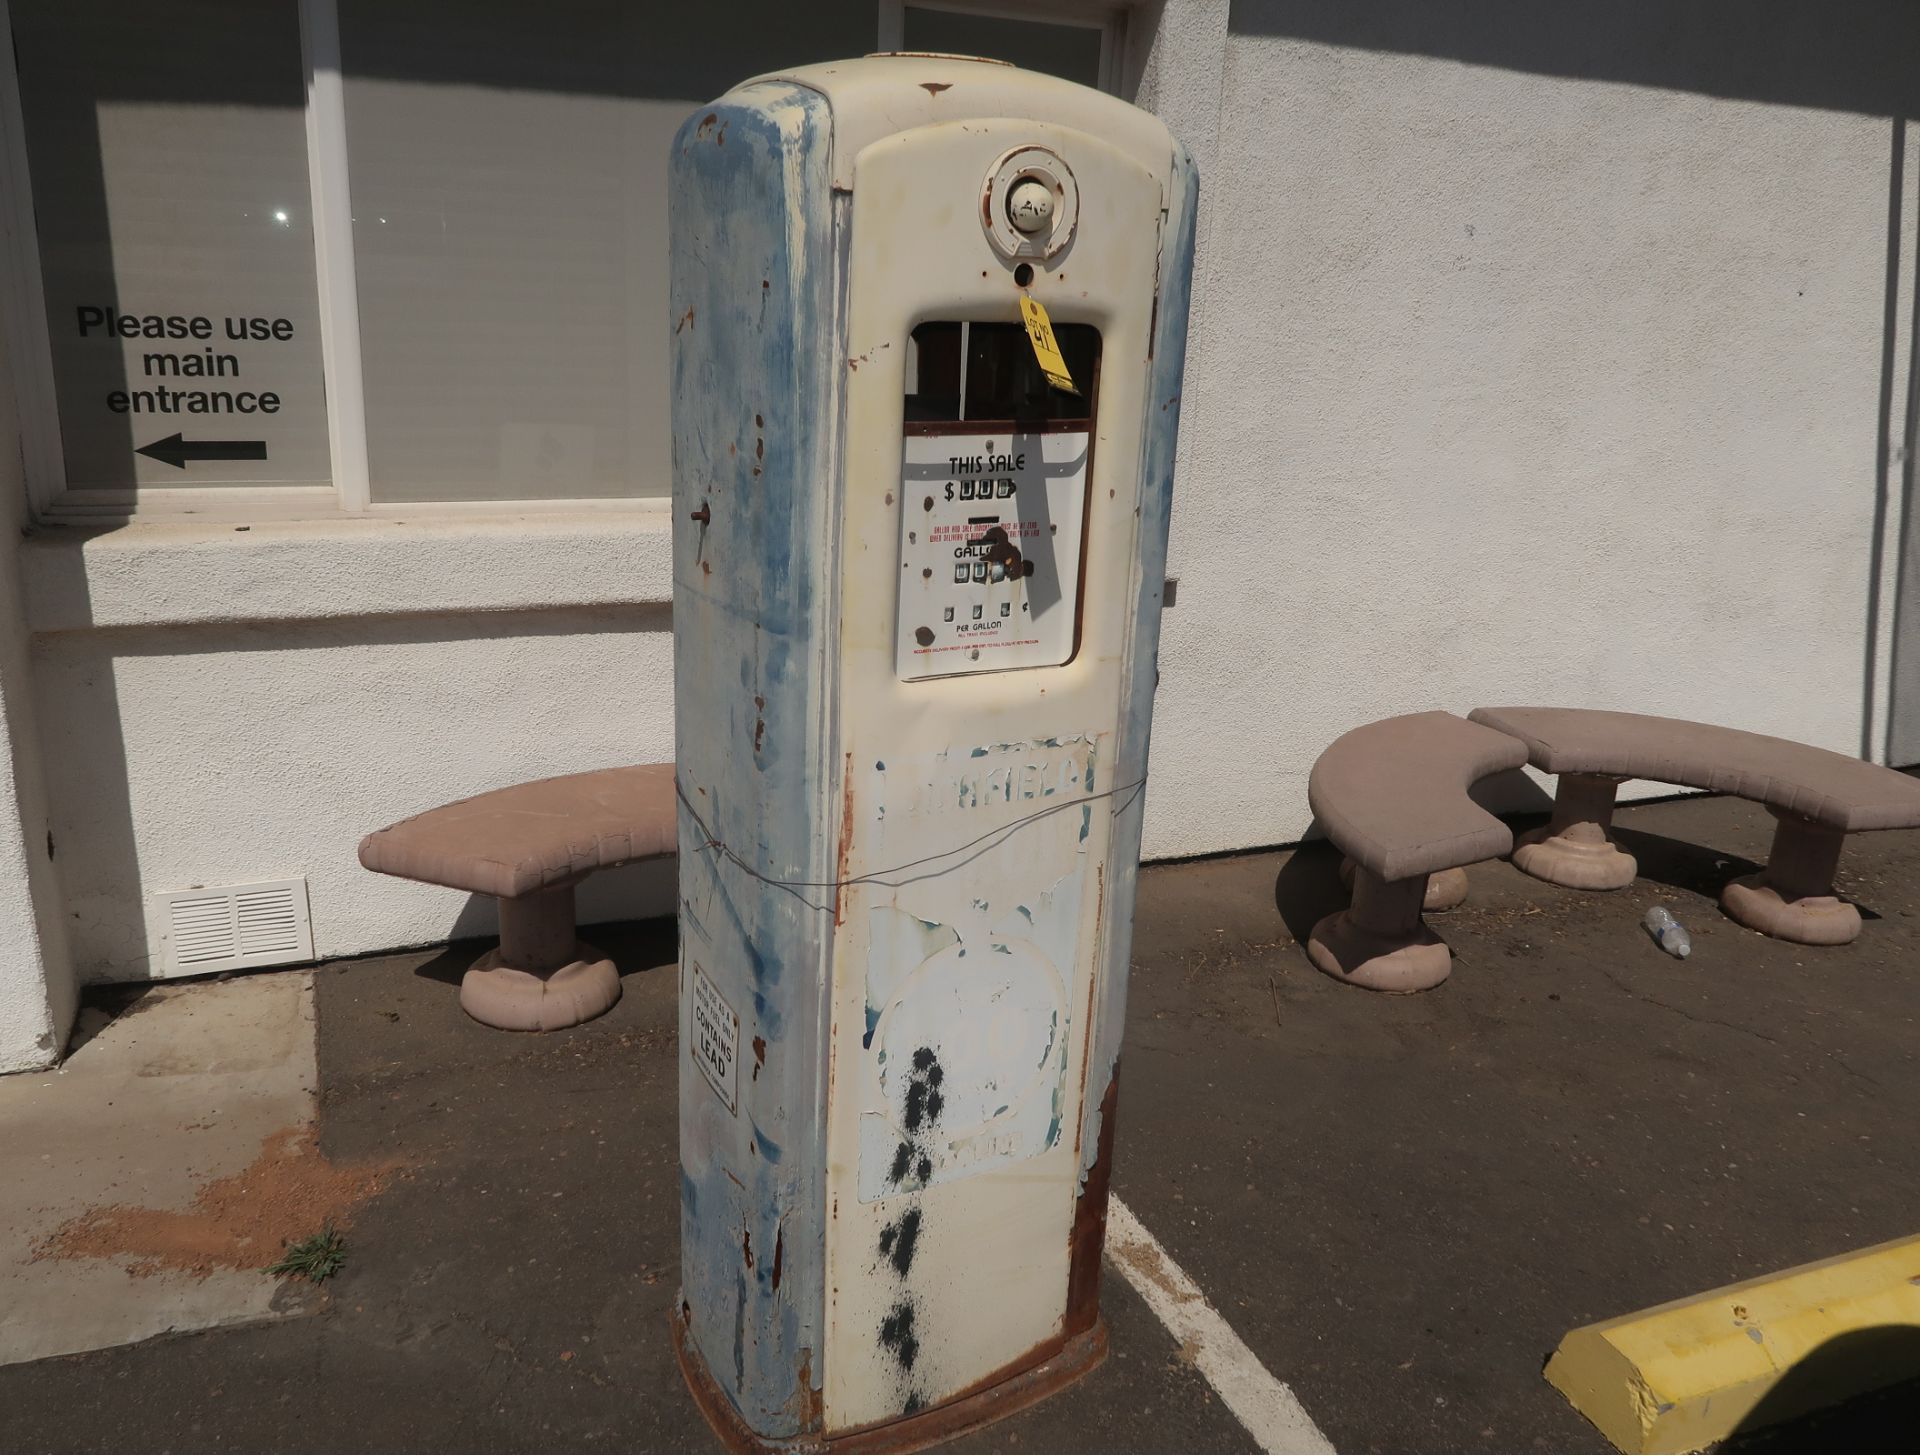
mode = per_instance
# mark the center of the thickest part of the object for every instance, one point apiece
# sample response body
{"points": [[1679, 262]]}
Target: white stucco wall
{"points": [[224, 753], [1502, 387], [1509, 388], [38, 986]]}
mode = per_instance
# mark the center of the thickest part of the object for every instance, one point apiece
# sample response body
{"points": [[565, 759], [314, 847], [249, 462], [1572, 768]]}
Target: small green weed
{"points": [[315, 1259]]}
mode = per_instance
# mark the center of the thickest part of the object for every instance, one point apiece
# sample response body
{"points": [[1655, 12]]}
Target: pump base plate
{"points": [[1005, 1392]]}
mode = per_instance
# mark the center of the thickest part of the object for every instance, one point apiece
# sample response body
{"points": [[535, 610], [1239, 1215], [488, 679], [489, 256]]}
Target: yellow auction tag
{"points": [[1045, 349]]}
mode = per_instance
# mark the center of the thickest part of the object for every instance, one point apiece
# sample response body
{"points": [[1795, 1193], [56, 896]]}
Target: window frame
{"points": [[28, 345], [1109, 17]]}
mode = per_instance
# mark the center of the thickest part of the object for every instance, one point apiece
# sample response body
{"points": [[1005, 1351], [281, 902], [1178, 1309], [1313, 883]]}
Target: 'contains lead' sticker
{"points": [[1045, 349]]}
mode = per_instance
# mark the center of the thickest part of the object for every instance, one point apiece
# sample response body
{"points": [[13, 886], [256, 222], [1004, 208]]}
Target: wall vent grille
{"points": [[231, 927]]}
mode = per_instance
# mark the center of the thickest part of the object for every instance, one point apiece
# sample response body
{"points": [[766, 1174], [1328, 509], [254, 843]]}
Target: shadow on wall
{"points": [[1848, 55], [341, 727], [1845, 55], [1858, 1393]]}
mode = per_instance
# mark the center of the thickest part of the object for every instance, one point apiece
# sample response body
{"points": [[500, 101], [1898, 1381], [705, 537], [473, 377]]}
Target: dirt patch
{"points": [[242, 1221]]}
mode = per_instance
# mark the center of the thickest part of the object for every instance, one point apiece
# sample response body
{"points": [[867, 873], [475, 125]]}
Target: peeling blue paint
{"points": [[766, 1145], [1168, 361], [689, 1196], [752, 293]]}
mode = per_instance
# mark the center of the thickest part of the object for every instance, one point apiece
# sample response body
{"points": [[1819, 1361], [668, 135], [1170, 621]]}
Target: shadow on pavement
{"points": [[1308, 887], [1886, 1418]]}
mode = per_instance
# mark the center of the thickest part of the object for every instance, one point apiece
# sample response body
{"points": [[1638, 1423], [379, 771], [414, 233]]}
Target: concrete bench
{"points": [[1817, 796], [528, 846], [1393, 797]]}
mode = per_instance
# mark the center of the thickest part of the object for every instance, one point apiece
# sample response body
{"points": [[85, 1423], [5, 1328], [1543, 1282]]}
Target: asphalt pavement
{"points": [[1399, 1204]]}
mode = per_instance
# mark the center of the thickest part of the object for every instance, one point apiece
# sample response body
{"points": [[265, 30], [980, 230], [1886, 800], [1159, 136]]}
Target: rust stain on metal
{"points": [[1044, 1370], [759, 1055], [808, 1405], [746, 1246], [934, 88], [1093, 983], [723, 1419], [846, 843], [1089, 1236], [685, 323]]}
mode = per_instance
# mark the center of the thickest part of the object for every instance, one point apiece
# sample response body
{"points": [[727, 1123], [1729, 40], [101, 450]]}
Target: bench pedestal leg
{"points": [[1379, 941], [539, 977], [1446, 888], [1576, 849], [1792, 898]]}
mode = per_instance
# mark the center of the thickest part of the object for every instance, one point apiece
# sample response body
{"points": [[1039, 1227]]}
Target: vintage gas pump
{"points": [[928, 320]]}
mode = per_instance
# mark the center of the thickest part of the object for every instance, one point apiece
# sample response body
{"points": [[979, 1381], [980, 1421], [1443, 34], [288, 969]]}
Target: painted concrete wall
{"points": [[38, 988], [221, 754], [1508, 381], [1511, 386]]}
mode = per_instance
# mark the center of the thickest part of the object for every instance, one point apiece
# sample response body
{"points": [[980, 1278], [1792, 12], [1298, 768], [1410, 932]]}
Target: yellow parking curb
{"points": [[1676, 1378]]}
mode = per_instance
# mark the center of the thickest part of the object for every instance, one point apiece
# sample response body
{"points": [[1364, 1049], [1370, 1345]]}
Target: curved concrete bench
{"points": [[1818, 797], [1393, 796], [528, 846]]}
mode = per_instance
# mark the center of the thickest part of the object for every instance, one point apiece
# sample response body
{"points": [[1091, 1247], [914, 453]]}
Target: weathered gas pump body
{"points": [[916, 609]]}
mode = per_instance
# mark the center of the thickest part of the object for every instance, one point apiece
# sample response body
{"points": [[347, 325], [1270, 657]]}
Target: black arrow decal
{"points": [[176, 452]]}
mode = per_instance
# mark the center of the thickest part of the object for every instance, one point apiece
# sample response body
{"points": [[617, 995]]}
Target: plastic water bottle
{"points": [[1668, 933]]}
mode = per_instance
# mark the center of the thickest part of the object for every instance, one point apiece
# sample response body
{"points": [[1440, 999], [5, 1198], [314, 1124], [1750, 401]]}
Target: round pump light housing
{"points": [[1030, 204]]}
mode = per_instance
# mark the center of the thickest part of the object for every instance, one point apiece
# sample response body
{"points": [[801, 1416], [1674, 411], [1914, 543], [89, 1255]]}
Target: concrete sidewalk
{"points": [[179, 1090], [1399, 1204]]}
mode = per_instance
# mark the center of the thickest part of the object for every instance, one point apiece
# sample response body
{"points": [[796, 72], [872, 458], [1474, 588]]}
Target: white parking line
{"points": [[1259, 1401]]}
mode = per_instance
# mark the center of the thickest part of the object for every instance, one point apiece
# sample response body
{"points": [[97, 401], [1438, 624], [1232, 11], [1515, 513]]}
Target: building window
{"points": [[368, 254], [1074, 49], [168, 155]]}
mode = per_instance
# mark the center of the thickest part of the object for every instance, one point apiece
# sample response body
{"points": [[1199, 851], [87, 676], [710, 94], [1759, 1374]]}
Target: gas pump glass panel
{"points": [[994, 476]]}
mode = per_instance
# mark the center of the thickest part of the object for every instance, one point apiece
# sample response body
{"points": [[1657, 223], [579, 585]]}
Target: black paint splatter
{"points": [[924, 1099], [898, 1239], [896, 1334], [902, 1163]]}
